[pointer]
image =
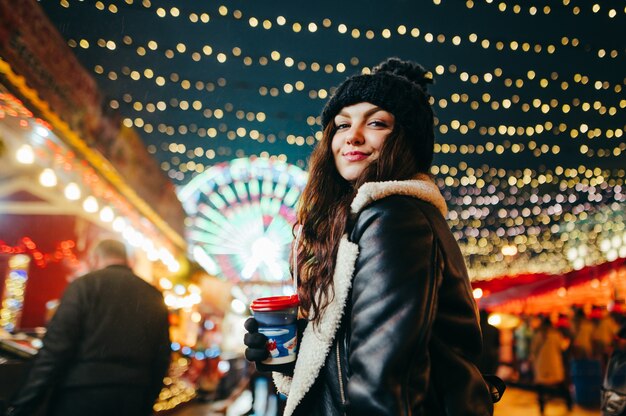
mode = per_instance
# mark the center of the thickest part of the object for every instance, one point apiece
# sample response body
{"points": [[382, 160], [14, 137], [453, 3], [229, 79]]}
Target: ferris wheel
{"points": [[240, 218]]}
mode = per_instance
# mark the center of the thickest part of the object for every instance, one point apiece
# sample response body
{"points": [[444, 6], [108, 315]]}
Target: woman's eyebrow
{"points": [[367, 113]]}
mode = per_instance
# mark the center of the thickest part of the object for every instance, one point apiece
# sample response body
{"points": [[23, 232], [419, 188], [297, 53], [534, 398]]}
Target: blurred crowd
{"points": [[567, 355]]}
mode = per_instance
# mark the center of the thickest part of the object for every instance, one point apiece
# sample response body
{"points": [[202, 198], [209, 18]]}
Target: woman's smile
{"points": [[355, 156]]}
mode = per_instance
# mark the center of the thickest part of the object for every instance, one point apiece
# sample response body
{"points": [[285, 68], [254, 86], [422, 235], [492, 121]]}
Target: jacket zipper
{"points": [[341, 392]]}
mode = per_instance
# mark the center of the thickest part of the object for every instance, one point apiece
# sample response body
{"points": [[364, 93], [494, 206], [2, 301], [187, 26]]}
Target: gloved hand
{"points": [[496, 386], [257, 347]]}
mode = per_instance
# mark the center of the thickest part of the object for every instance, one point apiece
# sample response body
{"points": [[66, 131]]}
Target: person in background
{"points": [[604, 330], [582, 346], [392, 324], [106, 349], [546, 354], [522, 336]]}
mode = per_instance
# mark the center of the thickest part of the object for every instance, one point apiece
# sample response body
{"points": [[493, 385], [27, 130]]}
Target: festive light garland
{"points": [[570, 143], [322, 93], [534, 10], [356, 32], [64, 251]]}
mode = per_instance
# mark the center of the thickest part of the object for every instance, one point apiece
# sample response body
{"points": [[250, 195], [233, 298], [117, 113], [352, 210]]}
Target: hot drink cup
{"points": [[276, 316]]}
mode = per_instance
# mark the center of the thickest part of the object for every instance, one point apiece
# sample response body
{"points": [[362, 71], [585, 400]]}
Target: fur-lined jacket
{"points": [[401, 334]]}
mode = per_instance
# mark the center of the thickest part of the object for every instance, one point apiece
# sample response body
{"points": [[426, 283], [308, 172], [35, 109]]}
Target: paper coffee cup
{"points": [[277, 317]]}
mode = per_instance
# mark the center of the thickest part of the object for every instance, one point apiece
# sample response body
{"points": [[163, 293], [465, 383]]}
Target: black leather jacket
{"points": [[614, 385], [409, 338]]}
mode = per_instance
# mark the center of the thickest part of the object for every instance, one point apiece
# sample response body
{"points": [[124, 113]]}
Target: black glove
{"points": [[257, 348], [496, 386]]}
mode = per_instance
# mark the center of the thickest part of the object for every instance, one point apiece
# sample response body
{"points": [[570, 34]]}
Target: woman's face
{"points": [[361, 131]]}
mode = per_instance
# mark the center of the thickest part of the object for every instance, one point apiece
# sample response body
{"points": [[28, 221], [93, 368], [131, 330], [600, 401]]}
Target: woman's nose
{"points": [[355, 137]]}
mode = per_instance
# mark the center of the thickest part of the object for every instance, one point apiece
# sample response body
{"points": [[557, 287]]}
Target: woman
{"points": [[393, 328], [546, 354]]}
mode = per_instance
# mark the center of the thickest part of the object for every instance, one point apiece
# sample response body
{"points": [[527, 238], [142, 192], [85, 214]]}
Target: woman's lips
{"points": [[355, 156]]}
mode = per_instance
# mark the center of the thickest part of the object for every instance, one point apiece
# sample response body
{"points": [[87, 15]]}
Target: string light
{"points": [[533, 10], [50, 151], [48, 178], [25, 154], [386, 33], [571, 118]]}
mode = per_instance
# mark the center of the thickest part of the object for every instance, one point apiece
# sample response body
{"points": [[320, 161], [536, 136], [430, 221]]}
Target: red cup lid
{"points": [[274, 303]]}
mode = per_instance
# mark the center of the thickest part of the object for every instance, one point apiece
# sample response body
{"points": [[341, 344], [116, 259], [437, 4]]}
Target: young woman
{"points": [[392, 325]]}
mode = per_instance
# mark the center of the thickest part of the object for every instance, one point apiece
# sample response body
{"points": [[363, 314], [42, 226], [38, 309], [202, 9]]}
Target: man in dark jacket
{"points": [[106, 349]]}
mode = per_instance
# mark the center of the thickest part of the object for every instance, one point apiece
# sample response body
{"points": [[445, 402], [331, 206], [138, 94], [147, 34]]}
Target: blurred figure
{"points": [[490, 356], [547, 349], [564, 326], [604, 330], [582, 347], [106, 349], [522, 336], [614, 385]]}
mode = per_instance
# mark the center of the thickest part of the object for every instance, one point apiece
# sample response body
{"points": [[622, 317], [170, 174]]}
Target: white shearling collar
{"points": [[317, 339], [422, 187]]}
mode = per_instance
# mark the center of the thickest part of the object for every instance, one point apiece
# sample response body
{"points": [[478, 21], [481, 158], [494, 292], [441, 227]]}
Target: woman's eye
{"points": [[342, 126], [378, 123]]}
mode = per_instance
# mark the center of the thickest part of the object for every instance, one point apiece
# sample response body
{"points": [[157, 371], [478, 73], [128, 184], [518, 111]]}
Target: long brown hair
{"points": [[324, 207]]}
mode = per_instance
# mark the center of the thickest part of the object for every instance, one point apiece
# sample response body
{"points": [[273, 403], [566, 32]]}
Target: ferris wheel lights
{"points": [[291, 197], [280, 190], [239, 223], [267, 187], [217, 201], [240, 188], [228, 194], [254, 188], [203, 259]]}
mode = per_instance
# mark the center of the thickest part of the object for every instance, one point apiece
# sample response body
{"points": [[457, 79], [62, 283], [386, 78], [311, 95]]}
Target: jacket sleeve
{"points": [[59, 346], [394, 300]]}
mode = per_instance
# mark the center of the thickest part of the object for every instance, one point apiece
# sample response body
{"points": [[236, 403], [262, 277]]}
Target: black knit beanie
{"points": [[399, 87]]}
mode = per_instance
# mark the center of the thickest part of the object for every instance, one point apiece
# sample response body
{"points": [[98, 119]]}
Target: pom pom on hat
{"points": [[412, 71]]}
